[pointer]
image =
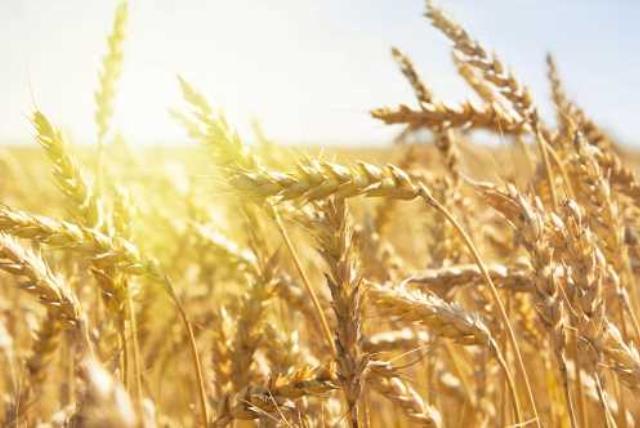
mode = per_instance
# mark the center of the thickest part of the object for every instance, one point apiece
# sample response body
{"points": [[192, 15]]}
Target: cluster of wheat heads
{"points": [[263, 286]]}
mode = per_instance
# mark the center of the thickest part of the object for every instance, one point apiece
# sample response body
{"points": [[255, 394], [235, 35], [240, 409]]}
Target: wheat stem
{"points": [[137, 368], [305, 280], [193, 347], [582, 416]]}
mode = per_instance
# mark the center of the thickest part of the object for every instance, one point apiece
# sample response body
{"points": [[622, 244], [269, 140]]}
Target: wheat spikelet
{"points": [[588, 273]]}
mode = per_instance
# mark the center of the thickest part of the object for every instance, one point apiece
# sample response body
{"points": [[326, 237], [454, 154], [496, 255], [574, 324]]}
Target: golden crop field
{"points": [[438, 282]]}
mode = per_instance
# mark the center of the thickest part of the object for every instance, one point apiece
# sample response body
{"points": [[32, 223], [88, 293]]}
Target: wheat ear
{"points": [[68, 175], [444, 319], [111, 70], [63, 311], [334, 236], [492, 69]]}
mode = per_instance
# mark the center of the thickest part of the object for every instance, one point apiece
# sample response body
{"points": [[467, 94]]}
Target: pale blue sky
{"points": [[309, 69]]}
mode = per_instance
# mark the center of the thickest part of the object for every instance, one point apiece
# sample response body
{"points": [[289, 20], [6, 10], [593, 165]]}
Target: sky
{"points": [[309, 70]]}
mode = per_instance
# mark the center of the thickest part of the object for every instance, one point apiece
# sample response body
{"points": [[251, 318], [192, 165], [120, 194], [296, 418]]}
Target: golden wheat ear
{"points": [[67, 172], [110, 71]]}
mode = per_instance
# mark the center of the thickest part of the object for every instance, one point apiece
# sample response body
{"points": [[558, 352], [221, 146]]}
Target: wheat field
{"points": [[439, 282]]}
